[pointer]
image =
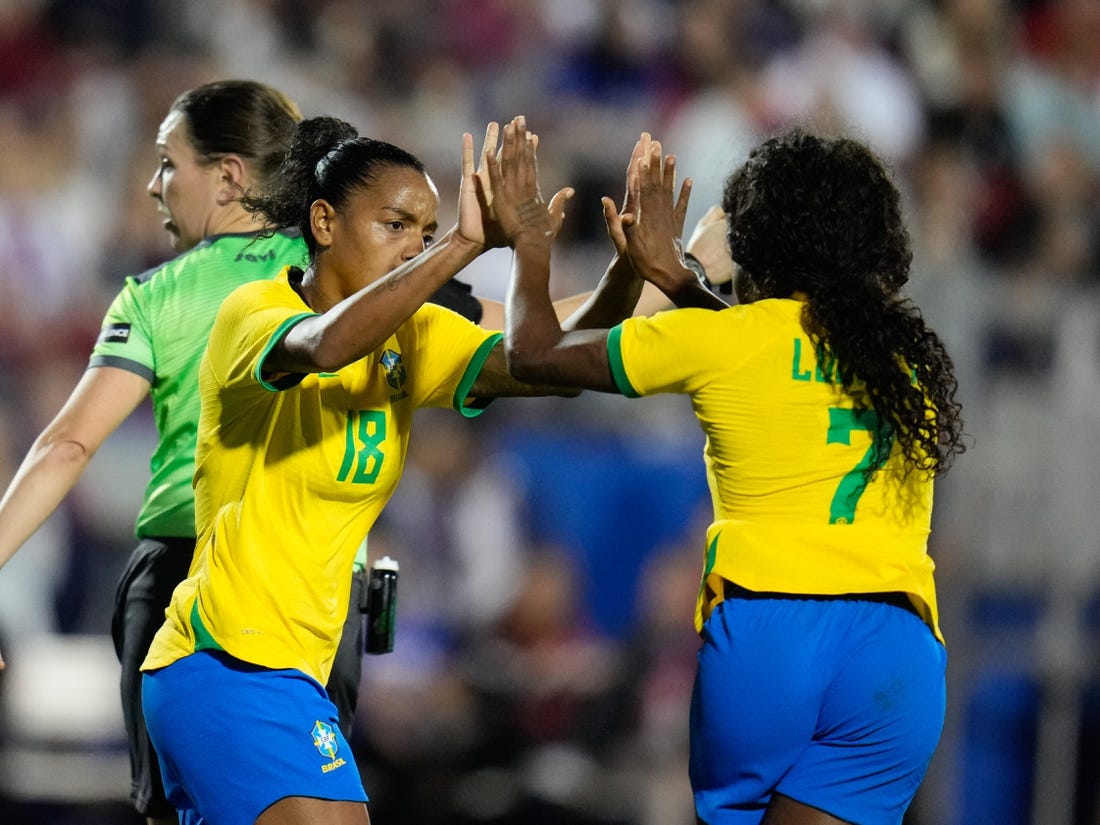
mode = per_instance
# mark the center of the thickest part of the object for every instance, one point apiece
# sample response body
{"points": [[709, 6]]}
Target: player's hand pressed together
{"points": [[475, 217], [653, 173], [494, 235], [613, 216], [654, 222], [518, 206]]}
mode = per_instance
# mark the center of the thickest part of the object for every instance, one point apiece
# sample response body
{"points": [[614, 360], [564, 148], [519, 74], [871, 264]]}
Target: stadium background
{"points": [[550, 550]]}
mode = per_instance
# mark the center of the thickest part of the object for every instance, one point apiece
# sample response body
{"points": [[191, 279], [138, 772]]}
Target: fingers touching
{"points": [[489, 146], [513, 177]]}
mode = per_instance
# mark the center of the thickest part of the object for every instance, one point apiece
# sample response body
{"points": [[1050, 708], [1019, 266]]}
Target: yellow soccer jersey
{"points": [[290, 478], [785, 455]]}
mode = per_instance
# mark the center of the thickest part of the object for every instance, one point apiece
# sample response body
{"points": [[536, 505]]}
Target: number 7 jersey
{"points": [[787, 454]]}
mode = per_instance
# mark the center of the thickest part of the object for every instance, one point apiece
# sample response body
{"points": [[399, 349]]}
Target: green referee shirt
{"points": [[157, 327]]}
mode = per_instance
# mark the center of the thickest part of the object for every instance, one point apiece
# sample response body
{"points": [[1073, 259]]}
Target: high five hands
{"points": [[647, 228], [508, 188], [618, 219], [516, 204], [646, 231], [651, 222]]}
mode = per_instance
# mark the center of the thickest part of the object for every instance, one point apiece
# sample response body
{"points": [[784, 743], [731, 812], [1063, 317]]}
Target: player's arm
{"points": [[538, 350], [102, 399], [630, 290], [709, 248], [705, 254], [496, 381]]}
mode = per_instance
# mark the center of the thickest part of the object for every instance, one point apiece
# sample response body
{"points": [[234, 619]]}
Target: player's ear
{"points": [[321, 219], [233, 168], [232, 171]]}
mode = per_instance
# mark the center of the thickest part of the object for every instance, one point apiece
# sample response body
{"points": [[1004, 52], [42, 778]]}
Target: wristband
{"points": [[700, 271]]}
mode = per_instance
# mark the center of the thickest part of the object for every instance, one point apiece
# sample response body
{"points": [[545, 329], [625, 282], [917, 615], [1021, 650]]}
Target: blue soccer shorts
{"points": [[836, 703], [234, 738]]}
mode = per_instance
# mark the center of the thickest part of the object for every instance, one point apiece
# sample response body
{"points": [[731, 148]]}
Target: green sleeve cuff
{"points": [[615, 360], [471, 408], [288, 381]]}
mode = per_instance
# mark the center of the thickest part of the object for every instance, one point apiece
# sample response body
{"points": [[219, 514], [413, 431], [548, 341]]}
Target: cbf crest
{"points": [[395, 370], [324, 739]]}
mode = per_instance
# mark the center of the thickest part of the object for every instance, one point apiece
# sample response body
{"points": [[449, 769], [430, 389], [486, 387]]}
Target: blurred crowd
{"points": [[550, 551]]}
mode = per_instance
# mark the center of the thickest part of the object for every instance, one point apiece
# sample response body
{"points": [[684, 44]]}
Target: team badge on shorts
{"points": [[324, 738]]}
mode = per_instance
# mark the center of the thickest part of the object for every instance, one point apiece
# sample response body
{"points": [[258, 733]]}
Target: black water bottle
{"points": [[381, 606]]}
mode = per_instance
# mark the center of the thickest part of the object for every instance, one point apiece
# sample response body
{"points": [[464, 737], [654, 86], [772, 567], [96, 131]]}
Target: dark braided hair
{"points": [[327, 160], [821, 216]]}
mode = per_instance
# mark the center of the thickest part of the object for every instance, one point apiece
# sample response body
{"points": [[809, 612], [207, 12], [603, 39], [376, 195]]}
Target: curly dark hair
{"points": [[821, 216], [328, 160]]}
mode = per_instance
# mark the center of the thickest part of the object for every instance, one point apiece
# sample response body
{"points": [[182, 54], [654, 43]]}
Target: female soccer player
{"points": [[828, 407]]}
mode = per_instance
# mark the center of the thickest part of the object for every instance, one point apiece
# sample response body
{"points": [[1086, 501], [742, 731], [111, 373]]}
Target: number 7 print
{"points": [[842, 421]]}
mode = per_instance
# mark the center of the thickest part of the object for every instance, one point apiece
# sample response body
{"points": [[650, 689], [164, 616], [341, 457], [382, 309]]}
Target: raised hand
{"points": [[654, 223], [494, 235], [474, 201], [613, 216], [518, 206]]}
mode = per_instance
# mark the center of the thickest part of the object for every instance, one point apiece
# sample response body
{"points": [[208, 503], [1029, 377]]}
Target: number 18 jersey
{"points": [[786, 457], [291, 474]]}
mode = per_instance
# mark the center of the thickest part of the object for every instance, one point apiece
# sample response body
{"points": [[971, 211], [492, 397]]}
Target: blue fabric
{"points": [[835, 703], [234, 738]]}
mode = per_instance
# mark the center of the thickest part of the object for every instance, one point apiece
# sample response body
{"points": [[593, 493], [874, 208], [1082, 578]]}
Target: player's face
{"points": [[185, 189], [382, 226]]}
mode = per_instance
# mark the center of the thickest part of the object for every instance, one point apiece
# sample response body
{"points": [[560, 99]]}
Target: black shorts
{"points": [[155, 568]]}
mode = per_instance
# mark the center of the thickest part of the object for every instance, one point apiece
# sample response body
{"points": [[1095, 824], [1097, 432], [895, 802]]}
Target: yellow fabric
{"points": [[289, 480], [784, 453]]}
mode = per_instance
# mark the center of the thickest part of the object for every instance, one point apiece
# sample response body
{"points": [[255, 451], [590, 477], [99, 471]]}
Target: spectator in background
{"points": [[51, 217], [722, 114], [657, 682], [546, 682], [841, 78]]}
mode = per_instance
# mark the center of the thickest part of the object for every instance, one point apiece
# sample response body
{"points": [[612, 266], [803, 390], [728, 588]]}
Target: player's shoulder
{"points": [[218, 252], [276, 290], [688, 318], [766, 312]]}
